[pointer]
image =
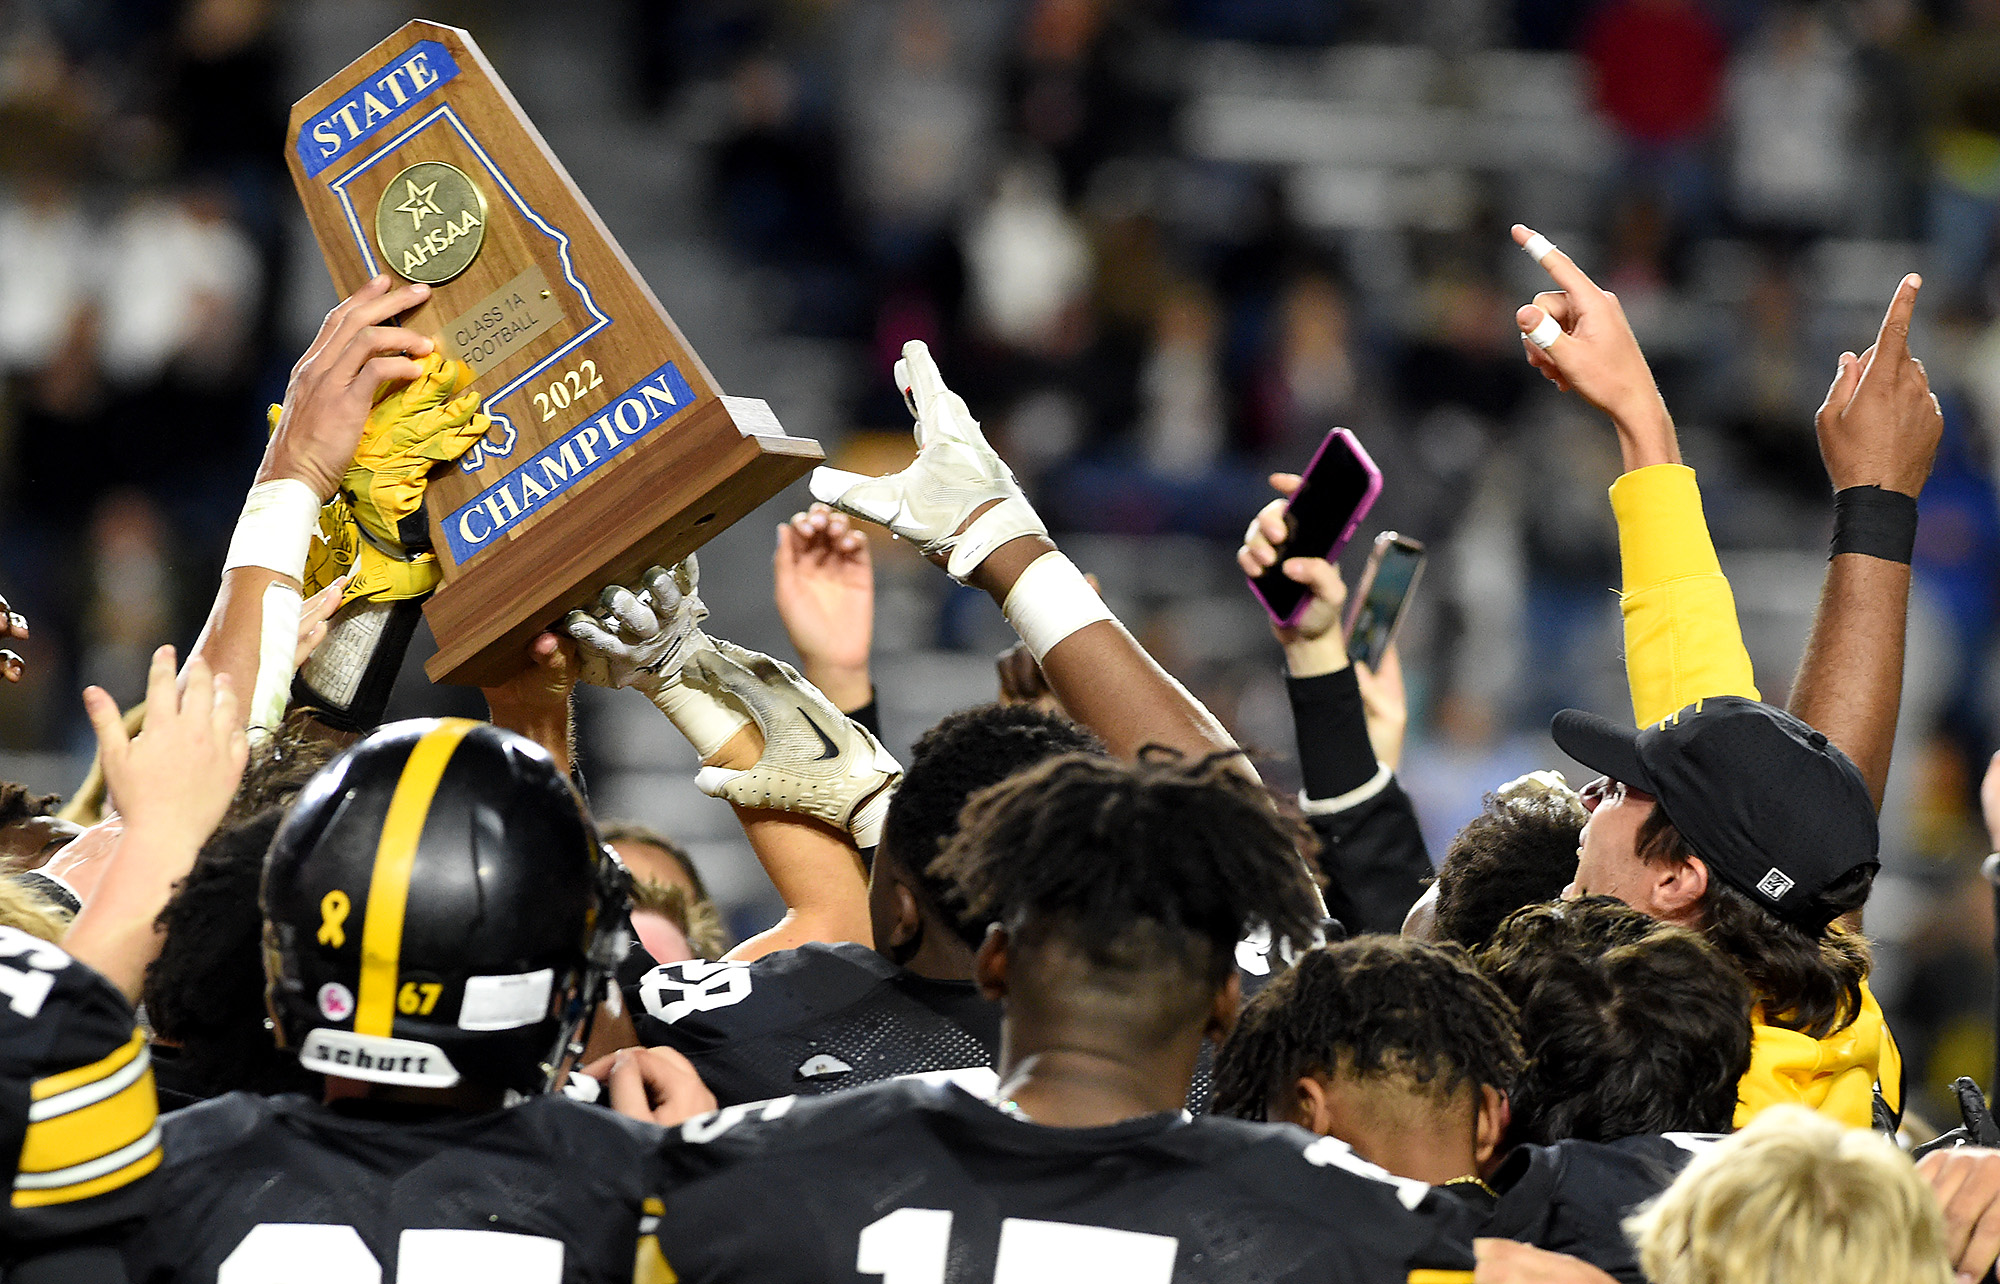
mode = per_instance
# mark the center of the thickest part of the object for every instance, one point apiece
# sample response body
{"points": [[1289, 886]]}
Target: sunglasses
{"points": [[1604, 789]]}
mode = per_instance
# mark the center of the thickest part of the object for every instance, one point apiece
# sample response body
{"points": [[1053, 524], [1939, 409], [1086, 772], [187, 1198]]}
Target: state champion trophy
{"points": [[612, 448]]}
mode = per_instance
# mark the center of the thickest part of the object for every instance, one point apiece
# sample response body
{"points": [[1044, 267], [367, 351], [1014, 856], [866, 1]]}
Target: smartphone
{"points": [[1394, 566], [1335, 492]]}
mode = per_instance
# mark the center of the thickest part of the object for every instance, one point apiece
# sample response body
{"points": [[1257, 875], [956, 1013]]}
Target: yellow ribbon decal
{"points": [[333, 908]]}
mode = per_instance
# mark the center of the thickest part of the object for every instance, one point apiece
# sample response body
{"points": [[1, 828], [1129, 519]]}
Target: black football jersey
{"points": [[289, 1191], [917, 1183], [79, 1127], [823, 1018], [812, 1020], [1573, 1197]]}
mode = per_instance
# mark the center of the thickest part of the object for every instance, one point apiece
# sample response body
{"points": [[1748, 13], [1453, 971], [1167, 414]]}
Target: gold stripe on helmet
{"points": [[389, 885]]}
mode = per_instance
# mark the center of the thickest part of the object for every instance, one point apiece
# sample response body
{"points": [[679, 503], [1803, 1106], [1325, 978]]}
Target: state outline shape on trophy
{"points": [[614, 448]]}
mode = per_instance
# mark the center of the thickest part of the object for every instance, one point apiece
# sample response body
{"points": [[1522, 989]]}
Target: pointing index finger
{"points": [[1894, 339], [1557, 264]]}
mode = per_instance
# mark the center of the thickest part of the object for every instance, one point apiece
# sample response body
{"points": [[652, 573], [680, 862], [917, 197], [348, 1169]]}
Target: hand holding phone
{"points": [[1375, 610], [1334, 493]]}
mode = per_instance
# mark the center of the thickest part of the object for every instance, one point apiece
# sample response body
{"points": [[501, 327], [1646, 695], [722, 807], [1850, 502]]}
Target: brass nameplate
{"points": [[503, 322]]}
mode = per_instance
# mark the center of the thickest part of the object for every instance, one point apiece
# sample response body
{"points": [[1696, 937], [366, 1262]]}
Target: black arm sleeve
{"points": [[1374, 855], [868, 715]]}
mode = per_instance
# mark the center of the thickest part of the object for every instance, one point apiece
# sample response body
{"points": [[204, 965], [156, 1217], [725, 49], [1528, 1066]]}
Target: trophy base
{"points": [[682, 488]]}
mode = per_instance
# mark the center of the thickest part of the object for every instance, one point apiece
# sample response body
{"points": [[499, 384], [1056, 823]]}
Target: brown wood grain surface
{"points": [[697, 469]]}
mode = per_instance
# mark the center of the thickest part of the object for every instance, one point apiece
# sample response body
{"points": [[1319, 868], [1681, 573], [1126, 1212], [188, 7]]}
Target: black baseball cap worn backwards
{"points": [[1766, 801]]}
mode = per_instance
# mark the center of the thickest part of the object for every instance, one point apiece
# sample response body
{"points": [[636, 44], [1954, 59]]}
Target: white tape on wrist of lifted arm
{"points": [[276, 528], [277, 646], [1011, 518], [707, 722], [1050, 601]]}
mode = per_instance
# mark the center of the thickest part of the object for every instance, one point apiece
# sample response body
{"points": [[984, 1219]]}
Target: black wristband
{"points": [[1875, 523], [1331, 722]]}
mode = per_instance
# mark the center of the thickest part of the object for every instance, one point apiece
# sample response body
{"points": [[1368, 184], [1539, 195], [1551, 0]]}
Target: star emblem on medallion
{"points": [[419, 203]]}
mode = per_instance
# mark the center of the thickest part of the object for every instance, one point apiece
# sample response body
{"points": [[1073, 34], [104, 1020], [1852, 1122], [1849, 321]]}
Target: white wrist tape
{"points": [[1011, 518], [707, 722], [1545, 333], [276, 528], [278, 643], [1050, 601], [1539, 247]]}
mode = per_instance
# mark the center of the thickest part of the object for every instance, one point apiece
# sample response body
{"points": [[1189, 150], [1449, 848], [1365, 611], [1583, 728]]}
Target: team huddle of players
{"points": [[1070, 997]]}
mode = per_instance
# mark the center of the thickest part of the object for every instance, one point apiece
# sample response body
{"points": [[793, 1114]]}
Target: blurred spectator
{"points": [[181, 282], [1657, 70], [1792, 96], [1181, 428], [1961, 80], [1028, 259]]}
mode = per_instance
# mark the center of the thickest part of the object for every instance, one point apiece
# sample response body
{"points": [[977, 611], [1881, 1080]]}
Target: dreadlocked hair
{"points": [[1373, 1007], [280, 765], [1124, 860], [1805, 981], [1607, 1058], [1518, 851], [961, 755]]}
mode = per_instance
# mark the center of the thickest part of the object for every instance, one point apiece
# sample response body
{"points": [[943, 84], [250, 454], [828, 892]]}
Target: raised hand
{"points": [[1967, 1183], [640, 639], [314, 614], [957, 501], [824, 584], [1578, 337], [816, 762], [334, 385], [173, 781], [1316, 643], [1880, 423]]}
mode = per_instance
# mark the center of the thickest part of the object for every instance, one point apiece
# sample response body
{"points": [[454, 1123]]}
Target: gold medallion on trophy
{"points": [[430, 222]]}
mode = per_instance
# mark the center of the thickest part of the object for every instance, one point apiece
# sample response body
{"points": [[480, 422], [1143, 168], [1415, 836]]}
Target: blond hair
{"points": [[1795, 1198], [31, 912], [697, 918]]}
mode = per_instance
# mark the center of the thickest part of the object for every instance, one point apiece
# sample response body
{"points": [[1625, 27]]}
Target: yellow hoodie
{"points": [[1683, 643]]}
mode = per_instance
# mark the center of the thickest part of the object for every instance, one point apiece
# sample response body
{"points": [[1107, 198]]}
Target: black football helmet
{"points": [[438, 907]]}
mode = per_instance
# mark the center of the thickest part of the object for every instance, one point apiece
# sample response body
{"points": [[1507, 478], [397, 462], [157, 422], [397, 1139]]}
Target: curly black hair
{"points": [[1518, 851], [1136, 865], [17, 804], [1631, 1025], [963, 754], [205, 990], [1375, 1006]]}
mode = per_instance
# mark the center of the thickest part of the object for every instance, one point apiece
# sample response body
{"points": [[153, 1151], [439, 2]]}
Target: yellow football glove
{"points": [[413, 428], [338, 548]]}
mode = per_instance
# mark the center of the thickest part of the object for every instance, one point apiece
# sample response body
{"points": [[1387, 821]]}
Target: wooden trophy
{"points": [[612, 447]]}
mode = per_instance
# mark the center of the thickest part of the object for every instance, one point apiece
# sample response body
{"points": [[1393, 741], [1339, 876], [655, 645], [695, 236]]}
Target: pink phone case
{"points": [[1348, 442]]}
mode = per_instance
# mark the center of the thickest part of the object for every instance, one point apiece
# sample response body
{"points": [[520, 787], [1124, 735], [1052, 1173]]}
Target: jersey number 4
{"points": [[305, 1253], [913, 1245]]}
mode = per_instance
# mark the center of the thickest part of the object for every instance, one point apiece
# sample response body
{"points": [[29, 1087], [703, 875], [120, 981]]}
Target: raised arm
{"points": [[252, 629], [1878, 434], [959, 503], [171, 783], [823, 580], [1682, 639]]}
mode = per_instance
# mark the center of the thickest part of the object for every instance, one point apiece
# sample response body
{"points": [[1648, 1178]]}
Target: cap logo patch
{"points": [[1775, 884]]}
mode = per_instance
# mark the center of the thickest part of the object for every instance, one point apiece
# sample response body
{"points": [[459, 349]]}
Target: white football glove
{"points": [[955, 471], [641, 639], [817, 761]]}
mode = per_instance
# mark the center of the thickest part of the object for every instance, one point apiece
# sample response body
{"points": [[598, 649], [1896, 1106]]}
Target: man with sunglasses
{"points": [[1722, 812]]}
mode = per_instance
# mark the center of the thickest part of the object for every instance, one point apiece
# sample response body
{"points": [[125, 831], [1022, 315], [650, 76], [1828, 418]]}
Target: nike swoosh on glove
{"points": [[414, 427], [817, 761], [931, 502]]}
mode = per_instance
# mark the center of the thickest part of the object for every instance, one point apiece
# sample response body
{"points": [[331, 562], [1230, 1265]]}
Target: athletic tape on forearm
{"points": [[1050, 601], [1011, 518], [277, 644], [1874, 522], [278, 520], [707, 722]]}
